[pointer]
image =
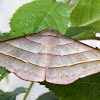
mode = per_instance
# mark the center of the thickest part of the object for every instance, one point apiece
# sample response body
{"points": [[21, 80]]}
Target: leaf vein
{"points": [[46, 16]]}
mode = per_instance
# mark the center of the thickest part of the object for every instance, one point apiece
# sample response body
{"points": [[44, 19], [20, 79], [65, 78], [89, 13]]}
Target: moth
{"points": [[49, 56]]}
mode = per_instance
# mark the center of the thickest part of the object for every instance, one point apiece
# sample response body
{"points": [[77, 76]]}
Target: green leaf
{"points": [[80, 33], [4, 36], [86, 13], [47, 96], [40, 15], [11, 95], [84, 89], [97, 48], [1, 70], [3, 73]]}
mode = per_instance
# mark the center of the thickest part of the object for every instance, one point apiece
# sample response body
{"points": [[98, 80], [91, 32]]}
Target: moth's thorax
{"points": [[48, 43]]}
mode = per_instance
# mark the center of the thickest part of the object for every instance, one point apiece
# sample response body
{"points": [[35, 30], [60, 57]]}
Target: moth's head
{"points": [[50, 31]]}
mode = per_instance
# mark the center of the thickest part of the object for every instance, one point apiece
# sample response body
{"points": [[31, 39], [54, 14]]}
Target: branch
{"points": [[28, 91], [68, 2]]}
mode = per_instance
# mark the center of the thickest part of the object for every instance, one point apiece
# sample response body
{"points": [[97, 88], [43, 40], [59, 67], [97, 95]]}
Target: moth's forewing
{"points": [[49, 56]]}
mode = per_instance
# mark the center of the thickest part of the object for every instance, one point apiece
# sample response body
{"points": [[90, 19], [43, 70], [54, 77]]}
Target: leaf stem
{"points": [[68, 2], [96, 38], [28, 91]]}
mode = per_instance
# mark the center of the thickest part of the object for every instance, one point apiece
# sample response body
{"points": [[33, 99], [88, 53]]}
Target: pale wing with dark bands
{"points": [[49, 56], [57, 40], [53, 60], [68, 75], [23, 70], [34, 47]]}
